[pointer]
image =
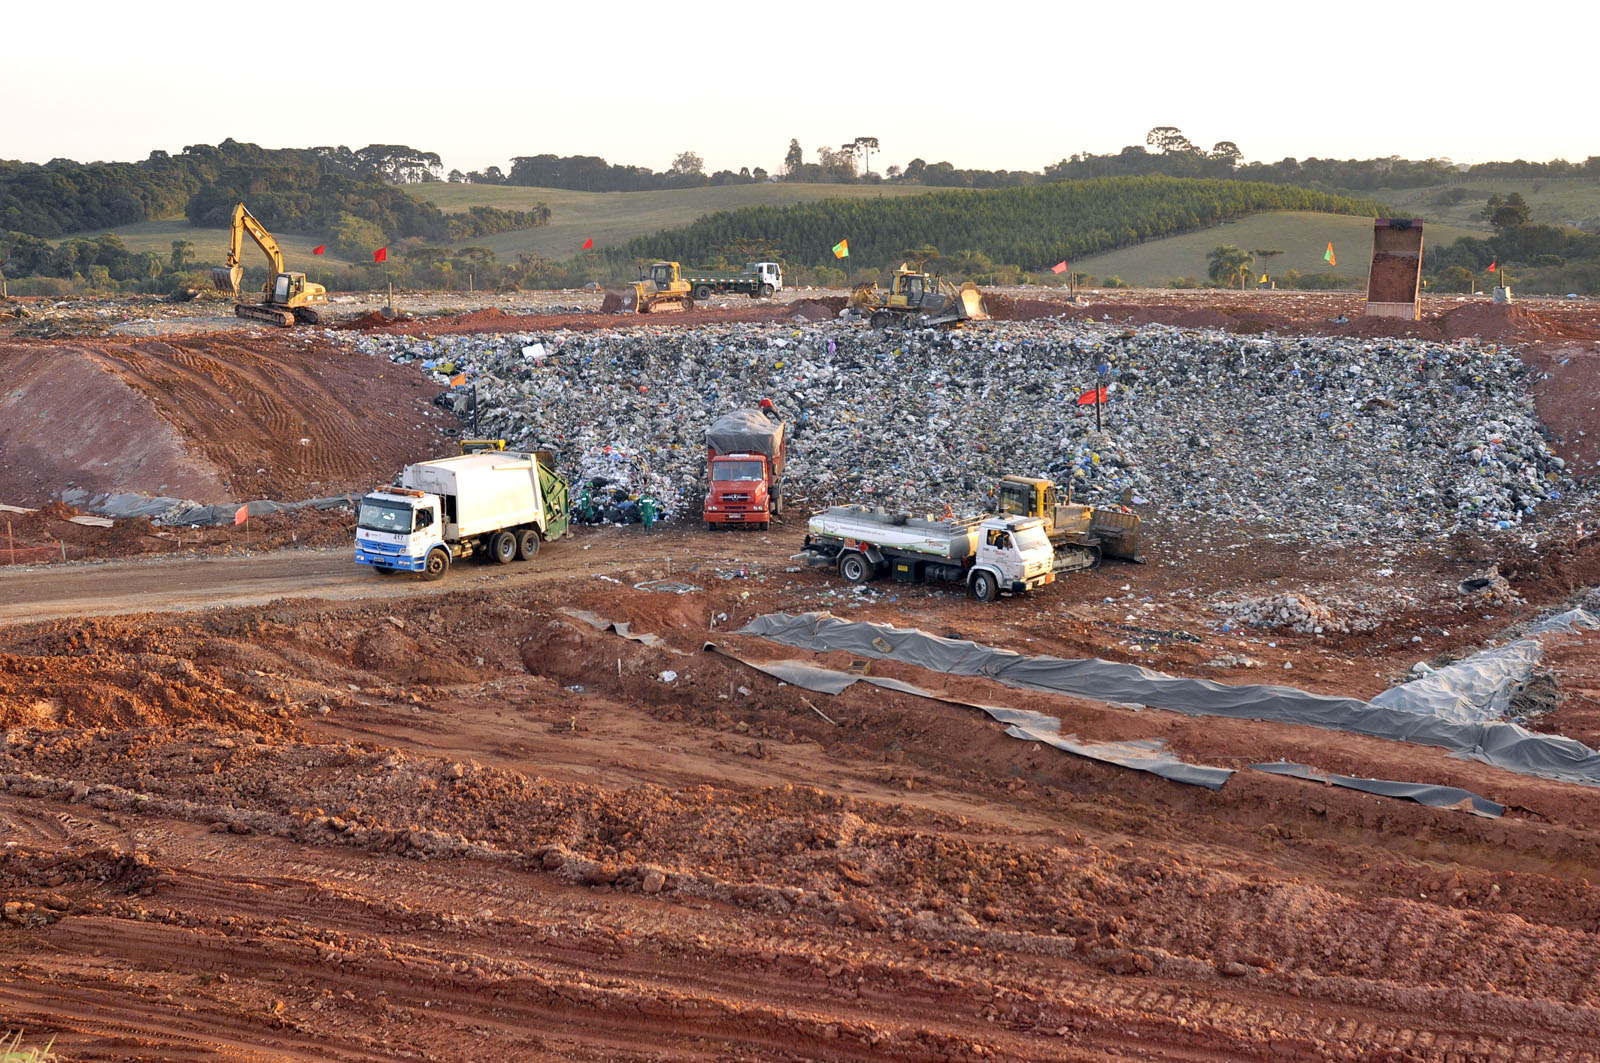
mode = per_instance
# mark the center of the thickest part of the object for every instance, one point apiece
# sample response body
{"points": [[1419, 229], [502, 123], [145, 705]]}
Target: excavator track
{"points": [[267, 315]]}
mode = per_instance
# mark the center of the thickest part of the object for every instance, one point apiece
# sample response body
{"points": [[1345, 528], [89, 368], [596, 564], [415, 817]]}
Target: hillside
{"points": [[1030, 227], [1554, 201], [211, 245], [1302, 236], [612, 218]]}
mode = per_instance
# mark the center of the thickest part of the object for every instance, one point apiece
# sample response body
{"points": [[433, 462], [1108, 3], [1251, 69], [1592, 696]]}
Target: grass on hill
{"points": [[211, 245], [1554, 201], [1302, 236], [611, 218]]}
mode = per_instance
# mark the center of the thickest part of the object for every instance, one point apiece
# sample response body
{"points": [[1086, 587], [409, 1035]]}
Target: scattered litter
{"points": [[668, 586]]}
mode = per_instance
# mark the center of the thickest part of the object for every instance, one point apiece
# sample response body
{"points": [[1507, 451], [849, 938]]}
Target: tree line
{"points": [[1027, 228]]}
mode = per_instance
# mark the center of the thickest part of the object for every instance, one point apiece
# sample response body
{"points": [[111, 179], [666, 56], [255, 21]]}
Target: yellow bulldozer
{"points": [[1080, 534], [914, 299], [286, 298], [663, 288]]}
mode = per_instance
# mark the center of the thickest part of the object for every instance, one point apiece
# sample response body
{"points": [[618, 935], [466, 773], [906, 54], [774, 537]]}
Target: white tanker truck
{"points": [[991, 555]]}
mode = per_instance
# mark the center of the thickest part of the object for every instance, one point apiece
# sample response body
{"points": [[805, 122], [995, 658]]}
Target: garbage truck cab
{"points": [[399, 528]]}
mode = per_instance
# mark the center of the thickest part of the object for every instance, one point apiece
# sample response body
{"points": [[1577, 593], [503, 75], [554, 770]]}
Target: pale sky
{"points": [[1008, 85]]}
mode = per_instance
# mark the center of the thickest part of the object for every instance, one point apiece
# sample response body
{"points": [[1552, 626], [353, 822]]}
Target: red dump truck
{"points": [[744, 468]]}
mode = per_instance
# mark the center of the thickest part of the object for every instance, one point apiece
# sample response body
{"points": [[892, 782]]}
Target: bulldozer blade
{"points": [[226, 279], [620, 301], [971, 302]]}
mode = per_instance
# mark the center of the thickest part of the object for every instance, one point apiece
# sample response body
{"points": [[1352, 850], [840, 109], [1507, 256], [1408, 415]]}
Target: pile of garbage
{"points": [[1287, 610], [1323, 438]]}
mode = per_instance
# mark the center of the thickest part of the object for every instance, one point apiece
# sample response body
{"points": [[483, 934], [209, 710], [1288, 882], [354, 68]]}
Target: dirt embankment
{"points": [[213, 418]]}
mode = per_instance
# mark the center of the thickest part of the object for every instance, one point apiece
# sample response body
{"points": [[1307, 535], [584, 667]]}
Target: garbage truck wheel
{"points": [[984, 587], [503, 547], [855, 568], [703, 292], [437, 565], [382, 571], [527, 545]]}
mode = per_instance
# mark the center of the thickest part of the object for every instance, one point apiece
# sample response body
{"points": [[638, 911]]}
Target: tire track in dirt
{"points": [[765, 982]]}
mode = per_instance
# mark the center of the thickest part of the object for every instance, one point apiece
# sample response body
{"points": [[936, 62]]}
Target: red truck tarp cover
{"points": [[746, 431]]}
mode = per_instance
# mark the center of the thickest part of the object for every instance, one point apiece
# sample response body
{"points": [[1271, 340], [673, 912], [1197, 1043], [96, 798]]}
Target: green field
{"points": [[616, 217], [211, 245], [1301, 236], [1554, 201]]}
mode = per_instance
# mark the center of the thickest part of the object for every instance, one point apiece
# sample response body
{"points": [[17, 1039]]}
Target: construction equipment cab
{"points": [[286, 297], [915, 299], [1079, 534], [660, 288]]}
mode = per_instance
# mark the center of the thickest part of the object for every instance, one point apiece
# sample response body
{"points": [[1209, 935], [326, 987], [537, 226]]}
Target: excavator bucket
{"points": [[227, 280]]}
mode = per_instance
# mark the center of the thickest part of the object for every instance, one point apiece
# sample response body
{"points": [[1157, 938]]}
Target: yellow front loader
{"points": [[663, 289], [286, 297], [914, 299]]}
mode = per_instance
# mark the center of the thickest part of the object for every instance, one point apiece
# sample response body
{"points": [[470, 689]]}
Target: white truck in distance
{"points": [[495, 504], [991, 555]]}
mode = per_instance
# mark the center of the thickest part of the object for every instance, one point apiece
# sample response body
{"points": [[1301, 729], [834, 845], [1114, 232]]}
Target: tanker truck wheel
{"points": [[984, 587], [527, 545], [437, 565], [503, 547], [855, 568]]}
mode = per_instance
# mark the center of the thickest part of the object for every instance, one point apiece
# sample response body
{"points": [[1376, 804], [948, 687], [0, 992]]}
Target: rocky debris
{"points": [[1489, 587], [1289, 610], [1328, 438]]}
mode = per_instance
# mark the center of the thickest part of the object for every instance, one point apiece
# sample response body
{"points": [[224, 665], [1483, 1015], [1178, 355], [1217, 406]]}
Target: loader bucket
{"points": [[227, 280]]}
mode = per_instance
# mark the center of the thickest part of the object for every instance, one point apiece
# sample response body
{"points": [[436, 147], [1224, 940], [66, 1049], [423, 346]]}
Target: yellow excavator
{"points": [[663, 289], [914, 299], [286, 298]]}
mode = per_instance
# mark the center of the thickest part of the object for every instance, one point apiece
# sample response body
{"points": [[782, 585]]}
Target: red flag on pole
{"points": [[1493, 264], [1092, 397], [319, 249], [241, 515], [588, 245], [1059, 267], [381, 255]]}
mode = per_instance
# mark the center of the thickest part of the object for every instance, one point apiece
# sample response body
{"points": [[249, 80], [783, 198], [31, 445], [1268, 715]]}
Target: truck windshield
{"points": [[1031, 538], [736, 470], [385, 517]]}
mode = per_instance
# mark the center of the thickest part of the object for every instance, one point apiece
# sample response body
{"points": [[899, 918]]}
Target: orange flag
{"points": [[241, 515], [1059, 267]]}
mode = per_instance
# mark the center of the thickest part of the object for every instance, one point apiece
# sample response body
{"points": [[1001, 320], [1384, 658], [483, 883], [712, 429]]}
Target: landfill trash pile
{"points": [[1325, 439], [1289, 610]]}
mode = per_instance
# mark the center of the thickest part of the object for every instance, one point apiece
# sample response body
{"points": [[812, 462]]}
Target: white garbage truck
{"points": [[495, 504], [991, 555]]}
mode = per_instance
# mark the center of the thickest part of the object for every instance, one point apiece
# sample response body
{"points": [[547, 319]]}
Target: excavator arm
{"points": [[227, 279]]}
